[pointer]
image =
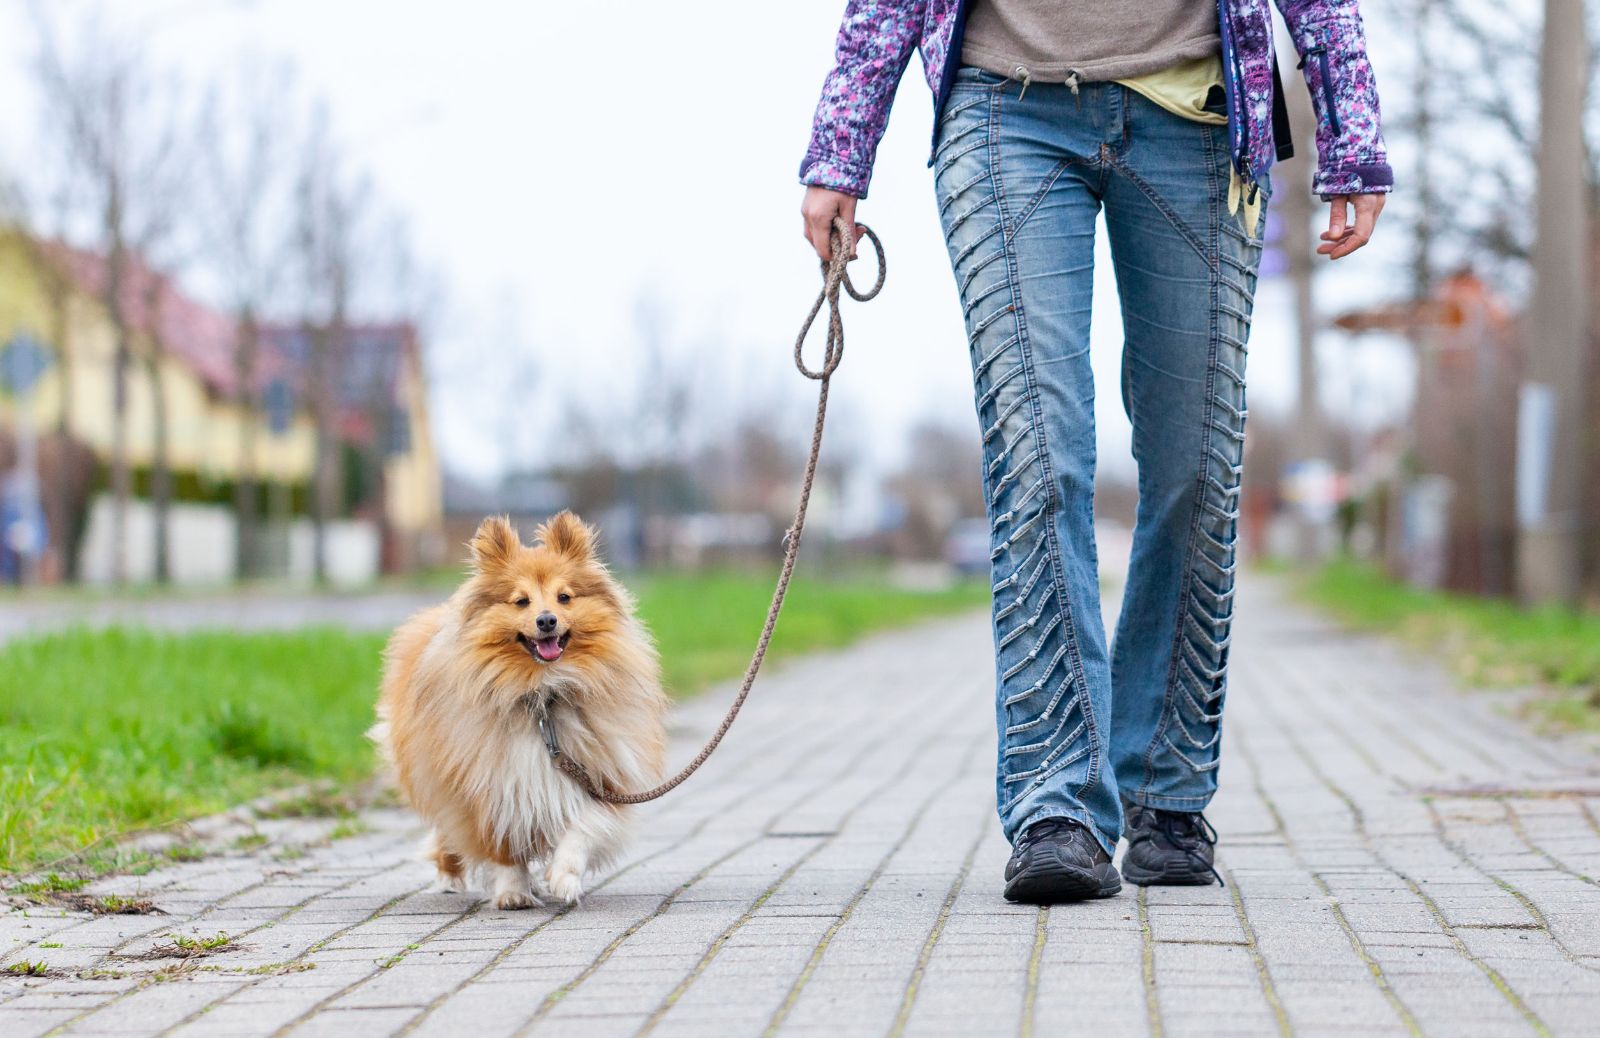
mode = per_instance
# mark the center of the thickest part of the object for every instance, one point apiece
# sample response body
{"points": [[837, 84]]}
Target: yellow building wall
{"points": [[412, 480], [204, 432]]}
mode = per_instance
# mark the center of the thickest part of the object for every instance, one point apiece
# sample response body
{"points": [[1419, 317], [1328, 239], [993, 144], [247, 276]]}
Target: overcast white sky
{"points": [[559, 160]]}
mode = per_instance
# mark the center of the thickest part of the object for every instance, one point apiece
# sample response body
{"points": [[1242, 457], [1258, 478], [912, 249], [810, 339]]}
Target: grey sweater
{"points": [[1087, 40]]}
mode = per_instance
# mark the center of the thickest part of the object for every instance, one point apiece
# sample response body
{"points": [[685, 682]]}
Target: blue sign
{"points": [[279, 403], [23, 361]]}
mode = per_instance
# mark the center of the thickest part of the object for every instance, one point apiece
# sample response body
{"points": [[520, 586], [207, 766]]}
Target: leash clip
{"points": [[548, 733]]}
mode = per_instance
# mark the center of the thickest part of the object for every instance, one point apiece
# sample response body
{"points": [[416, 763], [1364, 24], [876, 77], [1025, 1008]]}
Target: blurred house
{"points": [[200, 431], [526, 498], [390, 468]]}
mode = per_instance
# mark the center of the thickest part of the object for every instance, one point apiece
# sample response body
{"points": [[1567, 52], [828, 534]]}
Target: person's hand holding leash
{"points": [[818, 209]]}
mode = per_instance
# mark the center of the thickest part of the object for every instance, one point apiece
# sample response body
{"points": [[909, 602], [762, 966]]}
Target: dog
{"points": [[537, 635]]}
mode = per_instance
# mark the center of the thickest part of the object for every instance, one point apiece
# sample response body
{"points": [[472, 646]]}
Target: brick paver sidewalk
{"points": [[1400, 859]]}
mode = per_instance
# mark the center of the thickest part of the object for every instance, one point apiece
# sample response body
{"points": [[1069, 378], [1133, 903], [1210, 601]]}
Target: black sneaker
{"points": [[1057, 860], [1169, 848]]}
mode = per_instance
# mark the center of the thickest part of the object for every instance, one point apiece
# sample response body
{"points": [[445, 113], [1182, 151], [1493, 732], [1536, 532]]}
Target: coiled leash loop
{"points": [[834, 277]]}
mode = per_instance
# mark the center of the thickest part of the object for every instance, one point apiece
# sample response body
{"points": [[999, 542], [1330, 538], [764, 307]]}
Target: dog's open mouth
{"points": [[545, 650]]}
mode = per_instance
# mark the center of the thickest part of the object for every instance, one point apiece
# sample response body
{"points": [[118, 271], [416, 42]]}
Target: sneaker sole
{"points": [[1182, 874], [1051, 881]]}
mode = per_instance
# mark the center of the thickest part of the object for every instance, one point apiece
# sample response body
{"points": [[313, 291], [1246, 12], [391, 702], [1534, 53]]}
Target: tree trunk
{"points": [[1425, 76], [1293, 199], [160, 455], [160, 468], [246, 488], [325, 344], [1551, 429], [121, 474]]}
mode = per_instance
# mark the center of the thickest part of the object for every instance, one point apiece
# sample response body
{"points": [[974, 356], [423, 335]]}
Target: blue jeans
{"points": [[1019, 182]]}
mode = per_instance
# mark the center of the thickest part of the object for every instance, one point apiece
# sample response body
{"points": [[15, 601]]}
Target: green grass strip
{"points": [[107, 732], [1487, 642]]}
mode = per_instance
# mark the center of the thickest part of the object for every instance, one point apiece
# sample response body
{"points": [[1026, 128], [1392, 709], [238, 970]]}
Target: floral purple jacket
{"points": [[878, 36]]}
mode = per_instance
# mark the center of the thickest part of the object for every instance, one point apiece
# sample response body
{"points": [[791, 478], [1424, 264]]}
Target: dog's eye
{"points": [[522, 603], [563, 598]]}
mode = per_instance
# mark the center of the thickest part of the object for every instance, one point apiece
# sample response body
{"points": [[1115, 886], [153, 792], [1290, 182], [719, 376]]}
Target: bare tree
{"points": [[121, 129], [1488, 148], [247, 179], [330, 206], [1551, 544], [156, 289], [1477, 140], [397, 289]]}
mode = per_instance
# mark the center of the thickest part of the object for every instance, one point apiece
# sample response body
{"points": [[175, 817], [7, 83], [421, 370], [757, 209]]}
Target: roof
{"points": [[1458, 300], [152, 303], [205, 339]]}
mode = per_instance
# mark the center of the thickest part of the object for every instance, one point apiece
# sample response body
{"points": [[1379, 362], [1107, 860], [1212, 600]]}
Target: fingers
{"points": [[1342, 237], [1337, 216], [1366, 220], [816, 227], [847, 212]]}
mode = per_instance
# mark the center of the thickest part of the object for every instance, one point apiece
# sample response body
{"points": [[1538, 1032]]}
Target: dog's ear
{"points": [[494, 543], [568, 535]]}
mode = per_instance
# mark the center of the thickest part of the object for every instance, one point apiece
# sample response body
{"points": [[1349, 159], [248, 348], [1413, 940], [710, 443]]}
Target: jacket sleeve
{"points": [[1351, 158], [875, 44]]}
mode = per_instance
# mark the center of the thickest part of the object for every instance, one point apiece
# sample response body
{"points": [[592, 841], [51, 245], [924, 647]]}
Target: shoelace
{"points": [[1046, 829], [1185, 831]]}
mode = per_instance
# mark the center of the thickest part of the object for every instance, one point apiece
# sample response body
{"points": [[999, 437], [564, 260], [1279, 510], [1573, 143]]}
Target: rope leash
{"points": [[834, 277]]}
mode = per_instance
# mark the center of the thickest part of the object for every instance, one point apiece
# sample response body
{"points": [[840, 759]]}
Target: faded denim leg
{"points": [[1186, 277], [1018, 186]]}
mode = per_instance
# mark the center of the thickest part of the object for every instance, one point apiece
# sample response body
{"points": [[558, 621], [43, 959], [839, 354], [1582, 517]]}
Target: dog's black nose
{"points": [[546, 622]]}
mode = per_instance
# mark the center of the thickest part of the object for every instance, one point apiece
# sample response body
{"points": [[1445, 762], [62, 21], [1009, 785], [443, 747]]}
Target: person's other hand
{"points": [[818, 209], [1344, 237]]}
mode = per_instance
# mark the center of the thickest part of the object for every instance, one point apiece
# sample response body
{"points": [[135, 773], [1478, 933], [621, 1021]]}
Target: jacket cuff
{"points": [[826, 171], [1367, 179]]}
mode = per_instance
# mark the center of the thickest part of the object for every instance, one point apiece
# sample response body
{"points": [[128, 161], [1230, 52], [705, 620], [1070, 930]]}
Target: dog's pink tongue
{"points": [[549, 648]]}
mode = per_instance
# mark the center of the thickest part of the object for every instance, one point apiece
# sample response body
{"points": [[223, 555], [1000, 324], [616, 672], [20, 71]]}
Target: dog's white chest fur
{"points": [[524, 792]]}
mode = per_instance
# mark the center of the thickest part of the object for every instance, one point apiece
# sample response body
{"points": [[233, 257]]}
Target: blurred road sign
{"points": [[279, 403], [1536, 429], [22, 523], [23, 360], [1314, 487]]}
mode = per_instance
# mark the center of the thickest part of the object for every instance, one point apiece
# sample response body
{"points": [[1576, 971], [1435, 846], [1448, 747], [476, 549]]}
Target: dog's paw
{"points": [[513, 888], [564, 884], [512, 900], [456, 884]]}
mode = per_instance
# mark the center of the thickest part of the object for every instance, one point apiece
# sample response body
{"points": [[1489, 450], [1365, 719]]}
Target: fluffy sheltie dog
{"points": [[541, 633]]}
